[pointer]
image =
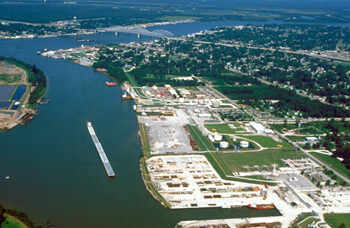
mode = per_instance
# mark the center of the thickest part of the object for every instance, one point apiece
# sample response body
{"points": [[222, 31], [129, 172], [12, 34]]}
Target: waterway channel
{"points": [[55, 172]]}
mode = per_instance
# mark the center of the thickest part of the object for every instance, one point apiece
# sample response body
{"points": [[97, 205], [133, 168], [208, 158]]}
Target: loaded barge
{"points": [[100, 151]]}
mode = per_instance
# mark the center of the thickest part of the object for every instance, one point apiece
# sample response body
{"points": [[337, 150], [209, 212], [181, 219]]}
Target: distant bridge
{"points": [[139, 31]]}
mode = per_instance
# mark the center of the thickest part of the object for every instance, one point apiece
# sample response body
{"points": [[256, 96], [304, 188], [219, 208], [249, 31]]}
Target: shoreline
{"points": [[26, 111]]}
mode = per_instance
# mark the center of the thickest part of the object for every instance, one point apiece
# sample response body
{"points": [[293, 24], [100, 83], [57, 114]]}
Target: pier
{"points": [[100, 151]]}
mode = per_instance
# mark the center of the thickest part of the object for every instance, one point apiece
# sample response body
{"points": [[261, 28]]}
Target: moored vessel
{"points": [[261, 206]]}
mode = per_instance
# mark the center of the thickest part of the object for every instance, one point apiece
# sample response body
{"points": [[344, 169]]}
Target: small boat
{"points": [[261, 206], [111, 83], [229, 206]]}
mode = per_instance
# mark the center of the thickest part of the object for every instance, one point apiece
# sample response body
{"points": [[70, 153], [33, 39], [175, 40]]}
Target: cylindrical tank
{"points": [[223, 144], [215, 103], [244, 144], [181, 100], [234, 138], [217, 137]]}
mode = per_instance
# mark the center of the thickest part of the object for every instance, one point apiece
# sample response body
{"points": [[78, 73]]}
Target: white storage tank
{"points": [[215, 103], [234, 138], [217, 137], [244, 144], [223, 144], [181, 100]]}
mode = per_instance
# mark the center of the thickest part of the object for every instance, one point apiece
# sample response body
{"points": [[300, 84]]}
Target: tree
{"points": [[342, 225], [2, 211]]}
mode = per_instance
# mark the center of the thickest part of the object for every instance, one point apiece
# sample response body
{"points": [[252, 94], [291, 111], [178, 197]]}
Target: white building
{"points": [[257, 127]]}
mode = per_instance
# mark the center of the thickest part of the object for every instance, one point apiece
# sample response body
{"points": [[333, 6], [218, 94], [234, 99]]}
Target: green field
{"points": [[296, 138], [279, 127], [12, 222], [203, 142], [223, 170], [309, 131], [235, 161], [335, 220], [220, 128], [224, 128], [311, 128], [10, 78], [333, 163], [268, 142], [301, 218], [305, 129]]}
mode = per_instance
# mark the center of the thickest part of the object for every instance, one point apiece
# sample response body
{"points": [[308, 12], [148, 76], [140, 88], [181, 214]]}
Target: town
{"points": [[217, 131]]}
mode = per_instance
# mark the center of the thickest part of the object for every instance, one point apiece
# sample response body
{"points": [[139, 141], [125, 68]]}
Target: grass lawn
{"points": [[296, 138], [266, 141], [301, 218], [332, 162], [223, 170], [220, 128], [335, 220], [309, 131], [321, 126], [308, 222], [235, 161], [311, 128], [224, 128], [203, 142], [12, 222], [10, 78]]}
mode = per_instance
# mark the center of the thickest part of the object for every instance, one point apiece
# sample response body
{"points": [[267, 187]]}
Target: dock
{"points": [[100, 151]]}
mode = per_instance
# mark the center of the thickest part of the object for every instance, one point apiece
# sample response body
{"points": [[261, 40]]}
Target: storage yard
{"points": [[166, 133], [190, 181]]}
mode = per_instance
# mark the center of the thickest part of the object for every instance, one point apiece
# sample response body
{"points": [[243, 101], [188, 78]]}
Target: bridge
{"points": [[139, 31]]}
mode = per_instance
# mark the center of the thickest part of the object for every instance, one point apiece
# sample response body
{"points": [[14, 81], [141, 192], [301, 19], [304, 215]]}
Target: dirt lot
{"points": [[11, 75]]}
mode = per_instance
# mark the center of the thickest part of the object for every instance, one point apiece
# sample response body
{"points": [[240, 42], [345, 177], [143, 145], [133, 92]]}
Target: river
{"points": [[55, 172]]}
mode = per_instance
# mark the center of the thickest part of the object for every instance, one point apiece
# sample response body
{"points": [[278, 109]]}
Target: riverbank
{"points": [[23, 87]]}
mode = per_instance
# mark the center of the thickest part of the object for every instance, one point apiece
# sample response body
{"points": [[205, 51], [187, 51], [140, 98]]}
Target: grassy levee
{"points": [[144, 140], [131, 79], [333, 163], [144, 171], [12, 222], [224, 171], [150, 187], [13, 93], [203, 142], [335, 220]]}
